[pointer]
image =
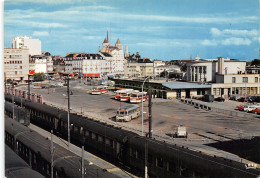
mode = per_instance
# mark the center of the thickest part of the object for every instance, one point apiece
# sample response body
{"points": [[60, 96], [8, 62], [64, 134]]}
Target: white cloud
{"points": [[43, 1], [257, 39], [229, 41], [209, 42], [40, 33], [236, 41], [234, 32]]}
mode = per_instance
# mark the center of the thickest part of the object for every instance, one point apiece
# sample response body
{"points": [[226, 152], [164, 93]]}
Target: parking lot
{"points": [[166, 114], [203, 126]]}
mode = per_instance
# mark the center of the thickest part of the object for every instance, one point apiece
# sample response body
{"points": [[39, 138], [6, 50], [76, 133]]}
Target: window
{"points": [[233, 79], [245, 79], [256, 79]]}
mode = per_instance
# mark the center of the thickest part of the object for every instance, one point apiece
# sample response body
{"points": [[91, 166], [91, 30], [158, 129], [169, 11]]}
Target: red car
{"points": [[241, 107], [256, 111]]}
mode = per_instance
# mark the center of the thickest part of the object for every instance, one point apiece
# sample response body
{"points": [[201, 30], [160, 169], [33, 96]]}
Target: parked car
{"points": [[241, 107], [256, 110], [233, 98], [250, 108], [208, 98], [241, 99], [220, 99]]}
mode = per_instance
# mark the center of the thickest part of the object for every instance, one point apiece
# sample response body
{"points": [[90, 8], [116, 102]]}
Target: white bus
{"points": [[119, 93], [99, 90], [127, 113], [137, 97]]}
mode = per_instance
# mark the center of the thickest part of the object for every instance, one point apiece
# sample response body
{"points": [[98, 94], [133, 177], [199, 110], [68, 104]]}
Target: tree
{"points": [[38, 76]]}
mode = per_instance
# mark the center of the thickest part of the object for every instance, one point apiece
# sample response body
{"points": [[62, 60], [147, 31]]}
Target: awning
{"points": [[31, 72], [92, 75]]}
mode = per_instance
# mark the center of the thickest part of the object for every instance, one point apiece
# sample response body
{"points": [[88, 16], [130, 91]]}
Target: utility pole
{"points": [[5, 82], [13, 104], [150, 111], [29, 94], [68, 92], [146, 157], [52, 154], [82, 163]]}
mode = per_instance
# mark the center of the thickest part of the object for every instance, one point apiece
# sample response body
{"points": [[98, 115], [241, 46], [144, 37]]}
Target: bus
{"points": [[127, 113], [126, 96], [118, 93], [99, 90], [138, 97]]}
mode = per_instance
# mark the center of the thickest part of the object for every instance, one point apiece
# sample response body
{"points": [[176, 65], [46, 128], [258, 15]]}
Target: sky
{"points": [[157, 29]]}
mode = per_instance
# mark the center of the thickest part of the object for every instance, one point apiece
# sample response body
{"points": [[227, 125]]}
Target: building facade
{"points": [[205, 70], [115, 56], [16, 64], [41, 64], [34, 45]]}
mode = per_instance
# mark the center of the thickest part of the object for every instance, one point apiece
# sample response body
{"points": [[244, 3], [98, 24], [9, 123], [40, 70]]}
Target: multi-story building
{"points": [[139, 68], [34, 45], [41, 64], [205, 70], [16, 64], [90, 65]]}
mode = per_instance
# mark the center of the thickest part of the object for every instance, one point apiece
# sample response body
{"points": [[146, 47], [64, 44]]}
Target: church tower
{"points": [[118, 44], [126, 51], [105, 45]]}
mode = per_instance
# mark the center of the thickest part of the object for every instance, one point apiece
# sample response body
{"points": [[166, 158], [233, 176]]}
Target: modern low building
{"points": [[236, 84], [16, 64], [166, 90]]}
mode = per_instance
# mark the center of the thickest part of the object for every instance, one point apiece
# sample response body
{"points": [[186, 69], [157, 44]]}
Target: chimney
{"points": [[220, 65]]}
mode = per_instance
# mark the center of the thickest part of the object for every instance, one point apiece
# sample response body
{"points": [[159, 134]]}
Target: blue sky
{"points": [[158, 29]]}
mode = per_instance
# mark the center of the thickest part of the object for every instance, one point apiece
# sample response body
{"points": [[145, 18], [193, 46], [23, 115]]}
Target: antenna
{"points": [[110, 31]]}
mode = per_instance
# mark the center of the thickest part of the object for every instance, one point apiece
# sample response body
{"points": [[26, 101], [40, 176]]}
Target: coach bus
{"points": [[137, 97], [127, 113], [119, 93], [99, 90]]}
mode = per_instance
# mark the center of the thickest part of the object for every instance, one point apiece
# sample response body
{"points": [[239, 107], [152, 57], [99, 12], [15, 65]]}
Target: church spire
{"points": [[107, 37]]}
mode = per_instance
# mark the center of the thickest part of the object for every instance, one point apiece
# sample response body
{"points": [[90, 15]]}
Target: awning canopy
{"points": [[31, 72], [92, 75]]}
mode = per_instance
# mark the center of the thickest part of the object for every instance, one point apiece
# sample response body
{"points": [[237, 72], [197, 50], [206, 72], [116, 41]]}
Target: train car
{"points": [[34, 149], [21, 115], [16, 167], [128, 149]]}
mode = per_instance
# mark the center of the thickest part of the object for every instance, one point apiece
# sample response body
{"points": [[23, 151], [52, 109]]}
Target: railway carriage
{"points": [[127, 148]]}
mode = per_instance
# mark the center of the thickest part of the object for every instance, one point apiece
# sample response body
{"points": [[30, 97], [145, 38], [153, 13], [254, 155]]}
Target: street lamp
{"points": [[143, 106]]}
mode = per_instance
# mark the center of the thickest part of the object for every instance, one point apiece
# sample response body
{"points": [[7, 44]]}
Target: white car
{"points": [[250, 108]]}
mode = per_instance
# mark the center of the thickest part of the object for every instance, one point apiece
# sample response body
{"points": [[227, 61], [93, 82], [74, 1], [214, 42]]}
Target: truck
{"points": [[181, 132]]}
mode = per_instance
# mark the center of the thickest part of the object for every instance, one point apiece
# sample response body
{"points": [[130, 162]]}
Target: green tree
{"points": [[38, 76]]}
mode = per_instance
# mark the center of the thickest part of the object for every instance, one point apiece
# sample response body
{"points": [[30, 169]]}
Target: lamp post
{"points": [[143, 106]]}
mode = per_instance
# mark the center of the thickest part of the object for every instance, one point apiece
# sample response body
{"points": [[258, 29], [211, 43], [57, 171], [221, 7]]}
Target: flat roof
{"points": [[184, 85]]}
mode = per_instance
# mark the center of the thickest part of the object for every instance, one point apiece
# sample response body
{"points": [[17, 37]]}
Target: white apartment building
{"points": [[87, 64], [41, 64], [34, 45], [16, 64]]}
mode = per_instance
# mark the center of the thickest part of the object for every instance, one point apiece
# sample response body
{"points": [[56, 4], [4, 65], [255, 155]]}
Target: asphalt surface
{"points": [[202, 126]]}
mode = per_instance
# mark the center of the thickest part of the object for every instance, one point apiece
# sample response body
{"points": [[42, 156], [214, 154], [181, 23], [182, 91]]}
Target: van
{"points": [[208, 98]]}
